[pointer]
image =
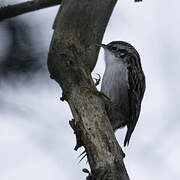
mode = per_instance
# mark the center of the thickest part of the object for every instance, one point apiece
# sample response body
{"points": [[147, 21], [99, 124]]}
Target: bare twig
{"points": [[25, 7]]}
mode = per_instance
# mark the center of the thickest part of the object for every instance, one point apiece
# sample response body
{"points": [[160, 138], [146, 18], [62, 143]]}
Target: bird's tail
{"points": [[128, 136]]}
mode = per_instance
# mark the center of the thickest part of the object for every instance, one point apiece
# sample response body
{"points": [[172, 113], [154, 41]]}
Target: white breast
{"points": [[115, 79]]}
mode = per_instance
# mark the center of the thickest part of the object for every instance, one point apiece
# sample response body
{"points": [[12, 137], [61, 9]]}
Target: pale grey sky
{"points": [[36, 141]]}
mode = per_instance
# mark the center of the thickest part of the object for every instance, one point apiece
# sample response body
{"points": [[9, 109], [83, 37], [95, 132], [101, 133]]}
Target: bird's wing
{"points": [[136, 80]]}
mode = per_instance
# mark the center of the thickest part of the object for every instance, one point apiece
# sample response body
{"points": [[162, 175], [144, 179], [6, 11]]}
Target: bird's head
{"points": [[119, 51]]}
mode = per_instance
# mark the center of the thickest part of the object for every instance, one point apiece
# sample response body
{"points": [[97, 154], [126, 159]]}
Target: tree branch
{"points": [[79, 26], [25, 7]]}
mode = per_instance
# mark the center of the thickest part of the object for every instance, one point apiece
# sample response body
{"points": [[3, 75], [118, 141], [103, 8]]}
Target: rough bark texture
{"points": [[79, 25], [25, 7]]}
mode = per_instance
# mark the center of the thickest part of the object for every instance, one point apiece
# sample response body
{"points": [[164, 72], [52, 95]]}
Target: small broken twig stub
{"points": [[77, 132]]}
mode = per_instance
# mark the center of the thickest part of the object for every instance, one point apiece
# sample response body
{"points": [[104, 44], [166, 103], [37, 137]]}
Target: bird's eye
{"points": [[114, 48], [122, 54]]}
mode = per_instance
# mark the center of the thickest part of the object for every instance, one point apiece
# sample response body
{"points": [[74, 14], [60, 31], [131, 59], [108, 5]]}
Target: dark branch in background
{"points": [[25, 7], [21, 57]]}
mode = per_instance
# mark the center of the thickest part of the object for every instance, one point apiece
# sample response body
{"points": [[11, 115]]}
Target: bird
{"points": [[124, 83]]}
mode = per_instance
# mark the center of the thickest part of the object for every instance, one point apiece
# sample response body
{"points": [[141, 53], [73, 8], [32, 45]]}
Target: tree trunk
{"points": [[79, 26]]}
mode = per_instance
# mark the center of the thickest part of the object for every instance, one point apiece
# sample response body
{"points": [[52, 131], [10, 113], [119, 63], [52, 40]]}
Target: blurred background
{"points": [[36, 141]]}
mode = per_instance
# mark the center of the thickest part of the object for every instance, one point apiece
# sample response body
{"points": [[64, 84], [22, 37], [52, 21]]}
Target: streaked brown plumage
{"points": [[124, 83]]}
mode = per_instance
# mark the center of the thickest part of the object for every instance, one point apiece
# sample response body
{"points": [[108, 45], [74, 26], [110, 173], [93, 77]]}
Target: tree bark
{"points": [[79, 26]]}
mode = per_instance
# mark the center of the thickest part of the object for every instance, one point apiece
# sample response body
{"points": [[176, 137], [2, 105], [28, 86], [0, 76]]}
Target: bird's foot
{"points": [[97, 80]]}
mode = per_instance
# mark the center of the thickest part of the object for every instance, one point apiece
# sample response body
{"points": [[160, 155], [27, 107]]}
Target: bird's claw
{"points": [[97, 80]]}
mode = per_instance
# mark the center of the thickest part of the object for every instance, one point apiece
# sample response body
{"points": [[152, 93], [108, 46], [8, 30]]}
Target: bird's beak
{"points": [[102, 45]]}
